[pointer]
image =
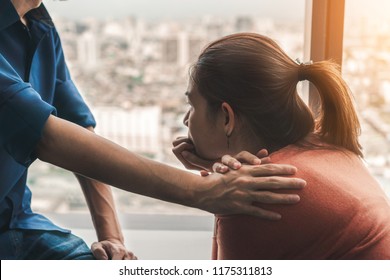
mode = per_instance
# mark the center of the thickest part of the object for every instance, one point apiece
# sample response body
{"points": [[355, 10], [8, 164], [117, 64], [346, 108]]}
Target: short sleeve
{"points": [[67, 99], [23, 115], [71, 106]]}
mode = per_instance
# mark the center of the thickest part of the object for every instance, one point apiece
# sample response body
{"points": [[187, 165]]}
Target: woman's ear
{"points": [[229, 118]]}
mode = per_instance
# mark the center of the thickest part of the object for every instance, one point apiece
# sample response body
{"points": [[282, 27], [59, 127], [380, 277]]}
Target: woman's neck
{"points": [[245, 141]]}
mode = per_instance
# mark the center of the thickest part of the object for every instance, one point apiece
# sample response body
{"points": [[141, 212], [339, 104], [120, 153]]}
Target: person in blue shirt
{"points": [[42, 115]]}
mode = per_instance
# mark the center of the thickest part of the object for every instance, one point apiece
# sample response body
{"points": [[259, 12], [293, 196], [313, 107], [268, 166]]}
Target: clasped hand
{"points": [[254, 176]]}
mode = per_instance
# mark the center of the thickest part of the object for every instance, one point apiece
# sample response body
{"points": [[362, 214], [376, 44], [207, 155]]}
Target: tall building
{"points": [[137, 129], [169, 49], [87, 50], [181, 49]]}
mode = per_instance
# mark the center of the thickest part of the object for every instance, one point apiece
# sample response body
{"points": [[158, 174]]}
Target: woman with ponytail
{"points": [[243, 96]]}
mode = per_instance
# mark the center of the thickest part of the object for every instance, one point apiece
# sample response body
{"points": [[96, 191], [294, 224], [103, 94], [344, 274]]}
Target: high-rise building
{"points": [[137, 129], [169, 49], [181, 49], [87, 50]]}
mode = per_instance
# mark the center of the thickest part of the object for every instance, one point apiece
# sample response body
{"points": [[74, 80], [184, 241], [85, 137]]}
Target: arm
{"points": [[101, 205], [100, 202], [71, 147]]}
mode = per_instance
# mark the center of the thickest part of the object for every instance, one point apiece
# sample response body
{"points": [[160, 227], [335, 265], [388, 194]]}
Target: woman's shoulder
{"points": [[329, 169], [313, 150]]}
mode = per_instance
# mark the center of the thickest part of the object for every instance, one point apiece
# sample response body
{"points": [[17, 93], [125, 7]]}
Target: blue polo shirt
{"points": [[34, 83]]}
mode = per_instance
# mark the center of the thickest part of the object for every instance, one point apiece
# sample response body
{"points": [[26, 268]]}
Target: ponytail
{"points": [[337, 122]]}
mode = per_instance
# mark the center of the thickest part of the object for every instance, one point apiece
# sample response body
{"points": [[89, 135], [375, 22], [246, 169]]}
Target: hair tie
{"points": [[302, 74]]}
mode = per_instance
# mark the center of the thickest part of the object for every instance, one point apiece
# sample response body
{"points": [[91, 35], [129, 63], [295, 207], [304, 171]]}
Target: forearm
{"points": [[74, 148], [102, 208]]}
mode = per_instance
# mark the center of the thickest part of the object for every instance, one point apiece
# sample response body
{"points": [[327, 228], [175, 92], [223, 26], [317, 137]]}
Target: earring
{"points": [[227, 140]]}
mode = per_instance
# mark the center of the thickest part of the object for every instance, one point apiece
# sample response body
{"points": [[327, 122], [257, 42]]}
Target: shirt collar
{"points": [[9, 16], [42, 15]]}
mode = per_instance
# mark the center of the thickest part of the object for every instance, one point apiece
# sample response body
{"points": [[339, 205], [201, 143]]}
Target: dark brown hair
{"points": [[259, 80]]}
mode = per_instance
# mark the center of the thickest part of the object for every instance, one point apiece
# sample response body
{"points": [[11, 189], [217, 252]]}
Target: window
{"points": [[130, 62], [366, 69]]}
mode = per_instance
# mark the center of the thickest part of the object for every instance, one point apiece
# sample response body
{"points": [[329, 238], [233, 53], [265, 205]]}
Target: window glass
{"points": [[366, 68], [130, 60]]}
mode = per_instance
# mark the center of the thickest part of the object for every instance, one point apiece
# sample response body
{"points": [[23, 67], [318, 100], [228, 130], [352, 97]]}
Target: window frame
{"points": [[324, 35]]}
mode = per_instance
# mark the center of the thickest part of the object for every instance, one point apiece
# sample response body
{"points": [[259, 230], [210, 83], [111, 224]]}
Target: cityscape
{"points": [[133, 74]]}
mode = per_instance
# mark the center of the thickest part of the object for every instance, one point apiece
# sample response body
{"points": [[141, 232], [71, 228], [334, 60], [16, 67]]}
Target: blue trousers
{"points": [[18, 244]]}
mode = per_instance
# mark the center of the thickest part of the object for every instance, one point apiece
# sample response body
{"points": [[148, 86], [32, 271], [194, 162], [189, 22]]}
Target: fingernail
{"points": [[293, 170], [277, 216], [223, 168], [295, 198], [257, 161], [236, 165], [301, 182]]}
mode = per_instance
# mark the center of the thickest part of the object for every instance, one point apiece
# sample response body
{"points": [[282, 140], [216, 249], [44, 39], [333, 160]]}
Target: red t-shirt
{"points": [[343, 214]]}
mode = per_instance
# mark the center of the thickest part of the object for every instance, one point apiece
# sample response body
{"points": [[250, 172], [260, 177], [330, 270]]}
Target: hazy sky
{"points": [[175, 9]]}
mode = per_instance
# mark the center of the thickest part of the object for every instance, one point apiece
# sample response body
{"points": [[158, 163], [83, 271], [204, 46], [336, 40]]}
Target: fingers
{"points": [[220, 168], [126, 256], [267, 198], [271, 170], [274, 198], [181, 139], [183, 146], [197, 162], [247, 157], [273, 183], [105, 250], [98, 251], [267, 177], [242, 157], [117, 253], [265, 160], [231, 162], [235, 162], [262, 153], [183, 149]]}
